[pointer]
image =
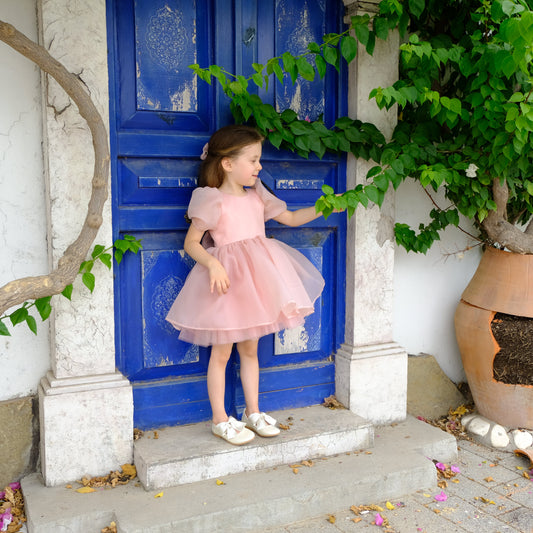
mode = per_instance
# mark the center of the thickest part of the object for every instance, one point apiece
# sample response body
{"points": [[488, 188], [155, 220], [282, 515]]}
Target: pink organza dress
{"points": [[272, 286]]}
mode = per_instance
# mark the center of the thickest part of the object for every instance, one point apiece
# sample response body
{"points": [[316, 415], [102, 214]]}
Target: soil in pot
{"points": [[513, 364]]}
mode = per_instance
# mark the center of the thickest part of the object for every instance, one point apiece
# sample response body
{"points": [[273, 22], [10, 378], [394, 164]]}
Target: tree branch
{"points": [[20, 290], [499, 229]]}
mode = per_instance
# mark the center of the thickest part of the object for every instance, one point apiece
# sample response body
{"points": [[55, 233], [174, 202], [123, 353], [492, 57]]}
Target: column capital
{"points": [[356, 7]]}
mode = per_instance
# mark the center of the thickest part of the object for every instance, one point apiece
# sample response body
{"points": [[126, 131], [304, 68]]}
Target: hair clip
{"points": [[204, 151]]}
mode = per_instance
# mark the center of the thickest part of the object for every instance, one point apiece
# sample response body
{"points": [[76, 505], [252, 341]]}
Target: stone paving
{"points": [[490, 494]]}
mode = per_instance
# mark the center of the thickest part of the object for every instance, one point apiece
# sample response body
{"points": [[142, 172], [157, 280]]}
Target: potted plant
{"points": [[465, 127]]}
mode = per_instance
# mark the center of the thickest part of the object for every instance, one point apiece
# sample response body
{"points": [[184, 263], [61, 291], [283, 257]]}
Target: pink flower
{"points": [[307, 119], [441, 497], [379, 520], [14, 486], [5, 519]]}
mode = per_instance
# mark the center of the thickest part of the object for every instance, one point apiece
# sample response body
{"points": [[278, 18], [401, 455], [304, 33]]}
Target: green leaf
{"points": [[331, 56], [320, 66], [348, 48], [517, 97], [373, 194], [43, 307], [327, 189], [106, 259], [289, 64], [118, 256], [31, 324], [362, 33], [3, 330], [416, 7], [305, 69], [18, 316], [98, 249], [381, 27], [88, 280], [67, 292]]}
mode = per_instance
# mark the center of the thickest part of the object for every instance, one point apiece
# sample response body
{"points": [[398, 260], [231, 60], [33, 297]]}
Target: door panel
{"points": [[161, 116]]}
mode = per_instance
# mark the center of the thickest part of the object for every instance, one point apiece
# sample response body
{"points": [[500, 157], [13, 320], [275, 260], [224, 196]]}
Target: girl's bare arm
{"points": [[218, 278]]}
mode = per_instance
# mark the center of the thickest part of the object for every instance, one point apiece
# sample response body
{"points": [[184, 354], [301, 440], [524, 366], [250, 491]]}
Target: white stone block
{"points": [[522, 439], [499, 437], [372, 381], [86, 426]]}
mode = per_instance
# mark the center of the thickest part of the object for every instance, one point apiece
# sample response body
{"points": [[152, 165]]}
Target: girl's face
{"points": [[243, 170]]}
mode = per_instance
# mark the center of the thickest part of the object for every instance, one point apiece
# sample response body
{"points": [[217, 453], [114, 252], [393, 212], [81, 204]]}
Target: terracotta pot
{"points": [[503, 283]]}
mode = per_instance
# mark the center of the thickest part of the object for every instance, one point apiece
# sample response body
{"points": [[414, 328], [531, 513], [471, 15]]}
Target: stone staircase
{"points": [[192, 482], [188, 454]]}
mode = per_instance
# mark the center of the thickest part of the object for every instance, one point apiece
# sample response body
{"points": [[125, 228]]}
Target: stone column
{"points": [[86, 406], [371, 369]]}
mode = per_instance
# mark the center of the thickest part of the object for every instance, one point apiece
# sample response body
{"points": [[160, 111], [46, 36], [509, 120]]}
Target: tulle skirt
{"points": [[272, 287]]}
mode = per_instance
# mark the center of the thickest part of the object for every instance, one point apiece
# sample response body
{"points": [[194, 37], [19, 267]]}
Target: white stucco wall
{"points": [[427, 288], [24, 357]]}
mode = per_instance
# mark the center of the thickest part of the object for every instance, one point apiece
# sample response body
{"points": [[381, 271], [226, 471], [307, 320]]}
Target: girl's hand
{"points": [[218, 277]]}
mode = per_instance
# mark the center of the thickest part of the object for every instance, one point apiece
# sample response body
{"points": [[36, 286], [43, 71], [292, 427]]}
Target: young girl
{"points": [[246, 285]]}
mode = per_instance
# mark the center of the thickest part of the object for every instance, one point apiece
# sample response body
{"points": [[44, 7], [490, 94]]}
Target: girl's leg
{"points": [[216, 380], [249, 374]]}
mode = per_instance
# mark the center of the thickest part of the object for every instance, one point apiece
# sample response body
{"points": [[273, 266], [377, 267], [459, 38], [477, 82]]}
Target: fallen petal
{"points": [[389, 506], [85, 490], [455, 469], [379, 520], [441, 497], [440, 466], [159, 495]]}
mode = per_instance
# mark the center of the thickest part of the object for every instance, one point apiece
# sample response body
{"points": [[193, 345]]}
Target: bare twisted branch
{"points": [[18, 291]]}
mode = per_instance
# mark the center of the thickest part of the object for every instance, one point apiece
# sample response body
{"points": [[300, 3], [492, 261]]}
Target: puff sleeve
{"points": [[273, 205], [205, 208]]}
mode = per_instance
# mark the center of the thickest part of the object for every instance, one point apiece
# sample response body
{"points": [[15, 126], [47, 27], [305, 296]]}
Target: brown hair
{"points": [[225, 142]]}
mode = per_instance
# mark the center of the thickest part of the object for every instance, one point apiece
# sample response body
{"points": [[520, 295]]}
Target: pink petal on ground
{"points": [[379, 520], [441, 497], [14, 486], [455, 469], [440, 466]]}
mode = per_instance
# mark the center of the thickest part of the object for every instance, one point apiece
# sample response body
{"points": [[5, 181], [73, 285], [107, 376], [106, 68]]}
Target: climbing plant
{"points": [[43, 305], [465, 116]]}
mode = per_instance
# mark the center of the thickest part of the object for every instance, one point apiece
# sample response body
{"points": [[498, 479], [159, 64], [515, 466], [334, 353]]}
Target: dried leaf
{"points": [[295, 470], [85, 490], [159, 495], [489, 479], [357, 519], [129, 470], [220, 482], [331, 519], [442, 484], [308, 463], [283, 426], [332, 403]]}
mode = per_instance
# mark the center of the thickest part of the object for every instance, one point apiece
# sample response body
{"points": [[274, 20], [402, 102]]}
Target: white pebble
{"points": [[499, 437], [522, 439], [479, 426]]}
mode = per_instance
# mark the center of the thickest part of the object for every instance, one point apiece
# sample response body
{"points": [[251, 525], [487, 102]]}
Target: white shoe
{"points": [[263, 424], [233, 431]]}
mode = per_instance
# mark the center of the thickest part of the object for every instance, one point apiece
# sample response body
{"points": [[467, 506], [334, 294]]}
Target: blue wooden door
{"points": [[161, 116]]}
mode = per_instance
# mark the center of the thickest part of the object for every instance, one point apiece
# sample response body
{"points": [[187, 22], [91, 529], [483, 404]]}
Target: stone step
{"points": [[397, 465], [187, 454]]}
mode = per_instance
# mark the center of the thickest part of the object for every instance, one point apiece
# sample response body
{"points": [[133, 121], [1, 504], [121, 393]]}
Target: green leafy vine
{"points": [[465, 111], [43, 305]]}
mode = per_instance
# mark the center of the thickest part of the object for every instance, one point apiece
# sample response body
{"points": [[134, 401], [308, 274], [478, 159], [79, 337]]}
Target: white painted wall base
{"points": [[86, 426], [371, 381]]}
